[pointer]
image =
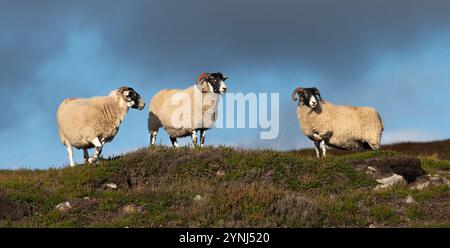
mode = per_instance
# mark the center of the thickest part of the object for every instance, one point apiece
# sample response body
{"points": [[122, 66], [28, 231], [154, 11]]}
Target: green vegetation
{"points": [[238, 188]]}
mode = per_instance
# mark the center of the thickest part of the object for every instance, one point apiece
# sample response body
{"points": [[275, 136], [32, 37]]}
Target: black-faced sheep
{"points": [[342, 127], [185, 112], [90, 123]]}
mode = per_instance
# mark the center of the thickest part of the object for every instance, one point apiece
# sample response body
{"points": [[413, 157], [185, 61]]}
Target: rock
{"points": [[198, 198], [436, 179], [394, 179], [131, 209], [429, 180], [111, 185], [410, 200], [382, 167], [447, 182], [220, 173], [420, 186], [390, 181], [370, 170], [389, 171], [63, 207], [86, 198]]}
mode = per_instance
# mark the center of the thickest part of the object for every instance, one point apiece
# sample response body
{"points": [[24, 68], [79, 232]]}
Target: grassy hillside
{"points": [[435, 149], [224, 187]]}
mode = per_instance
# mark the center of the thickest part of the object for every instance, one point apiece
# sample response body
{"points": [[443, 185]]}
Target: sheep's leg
{"points": [[375, 147], [70, 154], [154, 123], [374, 143], [317, 148], [86, 155], [202, 137], [174, 141], [98, 150], [324, 148], [153, 135], [194, 138]]}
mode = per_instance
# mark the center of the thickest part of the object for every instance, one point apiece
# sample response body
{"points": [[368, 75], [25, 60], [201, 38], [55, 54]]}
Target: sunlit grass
{"points": [[238, 188]]}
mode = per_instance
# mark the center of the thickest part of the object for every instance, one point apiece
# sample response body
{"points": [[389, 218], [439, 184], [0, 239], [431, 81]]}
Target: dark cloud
{"points": [[333, 37]]}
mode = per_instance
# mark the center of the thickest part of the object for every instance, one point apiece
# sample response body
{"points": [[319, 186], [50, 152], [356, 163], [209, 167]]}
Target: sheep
{"points": [[184, 112], [341, 127], [90, 123]]}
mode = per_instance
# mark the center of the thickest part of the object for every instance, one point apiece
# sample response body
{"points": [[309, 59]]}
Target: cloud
{"points": [[337, 39]]}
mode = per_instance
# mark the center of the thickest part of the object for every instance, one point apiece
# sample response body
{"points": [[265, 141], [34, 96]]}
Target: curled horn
{"points": [[296, 92], [122, 89], [202, 77]]}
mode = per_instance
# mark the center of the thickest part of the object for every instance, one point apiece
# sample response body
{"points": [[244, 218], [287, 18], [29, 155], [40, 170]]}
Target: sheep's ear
{"points": [[317, 92], [225, 78]]}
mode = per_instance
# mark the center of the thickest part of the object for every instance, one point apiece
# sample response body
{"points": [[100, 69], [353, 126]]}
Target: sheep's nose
{"points": [[141, 105], [223, 90]]}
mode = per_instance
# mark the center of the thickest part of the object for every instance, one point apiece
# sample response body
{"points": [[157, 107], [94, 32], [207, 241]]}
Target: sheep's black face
{"points": [[216, 83], [307, 96], [133, 98]]}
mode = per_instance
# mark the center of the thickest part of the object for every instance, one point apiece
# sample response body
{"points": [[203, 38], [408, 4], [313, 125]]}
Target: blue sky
{"points": [[393, 55]]}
